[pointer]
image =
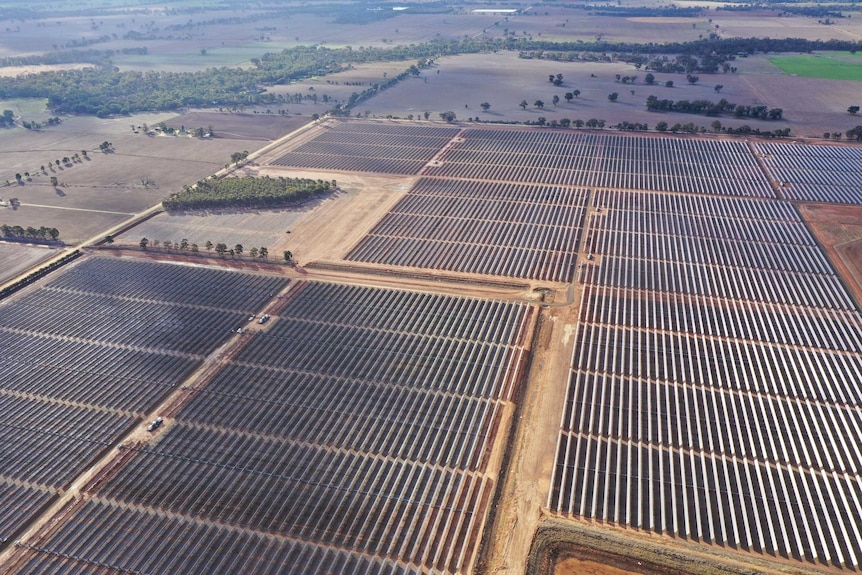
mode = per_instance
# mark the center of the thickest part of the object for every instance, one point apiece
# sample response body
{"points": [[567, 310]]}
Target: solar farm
{"points": [[709, 375]]}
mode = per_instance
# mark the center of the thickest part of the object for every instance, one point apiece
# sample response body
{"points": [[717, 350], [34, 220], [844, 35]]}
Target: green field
{"points": [[829, 65]]}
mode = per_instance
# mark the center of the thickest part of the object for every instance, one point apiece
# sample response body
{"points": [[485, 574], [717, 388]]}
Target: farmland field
{"points": [[826, 65]]}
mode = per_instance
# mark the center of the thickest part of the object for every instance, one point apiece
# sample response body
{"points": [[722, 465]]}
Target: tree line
{"points": [[265, 192], [709, 108], [17, 233]]}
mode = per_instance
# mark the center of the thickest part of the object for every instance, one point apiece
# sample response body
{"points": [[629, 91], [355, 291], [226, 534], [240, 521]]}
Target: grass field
{"points": [[829, 65]]}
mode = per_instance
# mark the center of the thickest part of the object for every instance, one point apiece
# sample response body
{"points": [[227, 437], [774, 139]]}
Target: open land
{"points": [[106, 188], [537, 247], [17, 258]]}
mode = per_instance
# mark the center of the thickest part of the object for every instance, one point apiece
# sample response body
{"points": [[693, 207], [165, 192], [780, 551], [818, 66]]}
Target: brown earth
{"points": [[839, 230]]}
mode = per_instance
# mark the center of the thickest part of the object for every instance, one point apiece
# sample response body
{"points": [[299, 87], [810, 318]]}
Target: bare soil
{"points": [[839, 230], [16, 258]]}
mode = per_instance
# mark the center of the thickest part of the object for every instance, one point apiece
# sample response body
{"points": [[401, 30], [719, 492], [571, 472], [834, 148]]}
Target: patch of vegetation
{"points": [[823, 66], [709, 108], [263, 192], [41, 235]]}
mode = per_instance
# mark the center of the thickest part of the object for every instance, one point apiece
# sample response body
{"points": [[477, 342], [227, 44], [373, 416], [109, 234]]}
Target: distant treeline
{"points": [[643, 11], [107, 91], [69, 57], [263, 192]]}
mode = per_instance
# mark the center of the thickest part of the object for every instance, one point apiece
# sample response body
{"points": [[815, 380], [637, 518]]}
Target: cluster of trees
{"points": [[245, 192], [852, 134], [709, 108], [7, 119], [42, 234], [55, 121]]}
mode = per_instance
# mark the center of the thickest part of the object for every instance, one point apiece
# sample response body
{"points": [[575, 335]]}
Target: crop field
{"points": [[723, 408], [356, 412], [370, 147], [615, 161], [824, 65], [814, 173], [513, 230]]}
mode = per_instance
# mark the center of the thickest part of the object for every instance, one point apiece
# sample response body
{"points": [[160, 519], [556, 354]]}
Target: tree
{"points": [[208, 245], [578, 123], [109, 239], [252, 252], [448, 115], [184, 244], [716, 126], [551, 78], [539, 104], [238, 249], [668, 84], [718, 88], [523, 104], [558, 80], [485, 106], [854, 133], [263, 253], [692, 79], [288, 256], [18, 178], [613, 96], [168, 244], [568, 96], [144, 243], [555, 100], [649, 79], [577, 93], [853, 110], [661, 127], [221, 249]]}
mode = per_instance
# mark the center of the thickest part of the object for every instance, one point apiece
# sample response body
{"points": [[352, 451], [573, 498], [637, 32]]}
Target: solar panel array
{"points": [[85, 355], [352, 435], [515, 230], [715, 386], [605, 160], [814, 173], [370, 147]]}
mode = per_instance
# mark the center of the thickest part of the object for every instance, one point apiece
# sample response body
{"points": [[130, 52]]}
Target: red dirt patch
{"points": [[839, 229]]}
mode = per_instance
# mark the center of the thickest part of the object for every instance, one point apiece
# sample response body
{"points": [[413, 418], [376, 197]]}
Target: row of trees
{"points": [[185, 246], [265, 192], [42, 233], [709, 108], [220, 248]]}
